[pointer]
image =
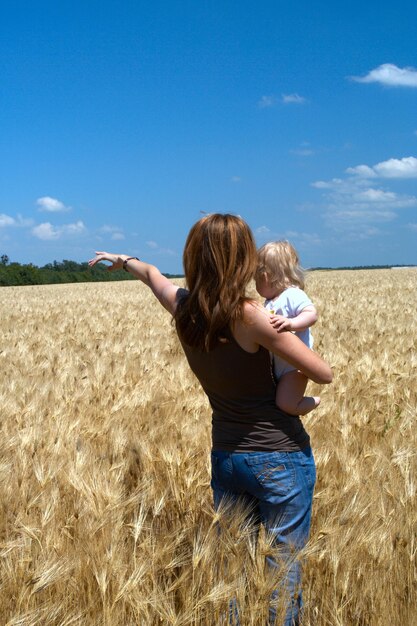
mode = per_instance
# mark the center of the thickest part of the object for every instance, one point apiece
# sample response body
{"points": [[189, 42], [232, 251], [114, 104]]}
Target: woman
{"points": [[260, 454]]}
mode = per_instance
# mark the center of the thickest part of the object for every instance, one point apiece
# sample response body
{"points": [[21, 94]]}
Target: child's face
{"points": [[264, 287]]}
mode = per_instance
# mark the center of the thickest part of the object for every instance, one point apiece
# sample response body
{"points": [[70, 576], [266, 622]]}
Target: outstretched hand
{"points": [[115, 260], [281, 323]]}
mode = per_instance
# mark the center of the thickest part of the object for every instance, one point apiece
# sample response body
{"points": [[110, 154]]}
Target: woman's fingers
{"points": [[92, 262], [101, 256], [114, 259]]}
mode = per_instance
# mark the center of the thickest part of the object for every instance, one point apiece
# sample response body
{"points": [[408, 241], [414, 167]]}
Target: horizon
{"points": [[182, 275]]}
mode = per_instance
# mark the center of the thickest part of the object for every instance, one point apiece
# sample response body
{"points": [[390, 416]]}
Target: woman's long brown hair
{"points": [[219, 261]]}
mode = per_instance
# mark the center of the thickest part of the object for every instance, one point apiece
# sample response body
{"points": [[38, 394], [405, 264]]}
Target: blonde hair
{"points": [[219, 261], [279, 260]]}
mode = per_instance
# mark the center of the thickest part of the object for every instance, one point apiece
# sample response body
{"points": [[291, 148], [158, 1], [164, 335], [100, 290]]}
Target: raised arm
{"points": [[258, 330], [150, 275]]}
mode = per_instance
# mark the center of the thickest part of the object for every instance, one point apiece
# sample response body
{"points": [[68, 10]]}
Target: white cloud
{"points": [[106, 229], [303, 239], [262, 230], [390, 75], [370, 232], [353, 224], [342, 187], [360, 231], [19, 221], [352, 205], [397, 168], [392, 168], [157, 249], [266, 102], [378, 197], [293, 98], [115, 232], [355, 216], [167, 251], [412, 226], [357, 197], [375, 195], [73, 229], [235, 179], [364, 171], [48, 232], [51, 205], [6, 220], [331, 184]]}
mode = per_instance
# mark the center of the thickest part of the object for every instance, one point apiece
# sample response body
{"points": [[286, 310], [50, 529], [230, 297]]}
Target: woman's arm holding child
{"points": [[257, 328]]}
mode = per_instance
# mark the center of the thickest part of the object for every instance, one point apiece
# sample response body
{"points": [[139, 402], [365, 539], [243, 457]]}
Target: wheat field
{"points": [[106, 511]]}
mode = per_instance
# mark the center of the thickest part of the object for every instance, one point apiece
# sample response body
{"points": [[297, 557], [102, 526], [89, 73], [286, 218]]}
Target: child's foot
{"points": [[317, 400]]}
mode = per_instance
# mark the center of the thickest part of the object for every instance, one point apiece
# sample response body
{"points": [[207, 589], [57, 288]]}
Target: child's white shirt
{"points": [[290, 303]]}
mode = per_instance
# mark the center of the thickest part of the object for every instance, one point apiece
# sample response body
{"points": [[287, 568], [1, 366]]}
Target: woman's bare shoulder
{"points": [[255, 324], [254, 313]]}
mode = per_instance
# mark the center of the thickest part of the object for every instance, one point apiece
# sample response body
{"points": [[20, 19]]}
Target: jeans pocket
{"points": [[274, 471]]}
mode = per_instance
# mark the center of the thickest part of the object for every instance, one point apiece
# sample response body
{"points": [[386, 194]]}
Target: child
{"points": [[280, 279]]}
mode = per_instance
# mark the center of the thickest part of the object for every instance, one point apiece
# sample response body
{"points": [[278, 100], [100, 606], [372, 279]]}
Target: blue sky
{"points": [[122, 121]]}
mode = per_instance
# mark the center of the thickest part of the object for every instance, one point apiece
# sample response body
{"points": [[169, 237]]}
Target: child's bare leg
{"points": [[290, 394]]}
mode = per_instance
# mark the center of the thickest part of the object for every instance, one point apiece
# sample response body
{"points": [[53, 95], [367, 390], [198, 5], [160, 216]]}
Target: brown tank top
{"points": [[241, 389]]}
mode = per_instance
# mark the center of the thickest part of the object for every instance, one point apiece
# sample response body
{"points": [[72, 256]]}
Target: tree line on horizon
{"points": [[66, 271]]}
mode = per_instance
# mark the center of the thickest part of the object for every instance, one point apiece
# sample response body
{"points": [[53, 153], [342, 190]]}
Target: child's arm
{"points": [[303, 320]]}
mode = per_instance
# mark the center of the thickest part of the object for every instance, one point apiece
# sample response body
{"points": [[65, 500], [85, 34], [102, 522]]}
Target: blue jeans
{"points": [[278, 490]]}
